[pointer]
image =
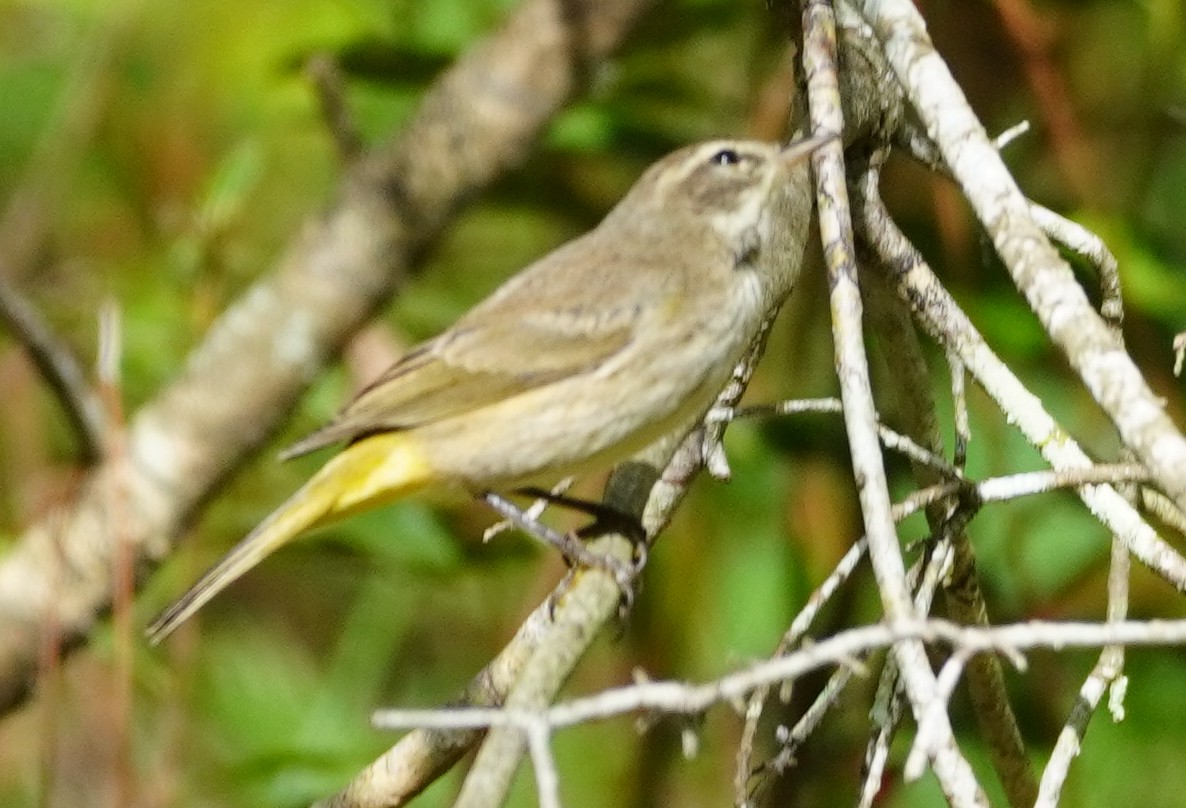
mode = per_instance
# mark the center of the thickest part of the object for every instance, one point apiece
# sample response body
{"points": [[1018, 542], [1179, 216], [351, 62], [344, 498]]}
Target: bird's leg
{"points": [[571, 545], [606, 519], [533, 510]]}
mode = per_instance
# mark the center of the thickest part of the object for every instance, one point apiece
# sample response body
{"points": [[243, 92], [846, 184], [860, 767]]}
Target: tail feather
{"points": [[372, 471], [293, 517]]}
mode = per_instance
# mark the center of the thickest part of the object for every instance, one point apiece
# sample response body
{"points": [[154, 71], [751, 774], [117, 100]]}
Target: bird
{"points": [[589, 354]]}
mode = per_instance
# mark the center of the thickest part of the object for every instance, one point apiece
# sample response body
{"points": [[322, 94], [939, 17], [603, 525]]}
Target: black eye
{"points": [[726, 157]]}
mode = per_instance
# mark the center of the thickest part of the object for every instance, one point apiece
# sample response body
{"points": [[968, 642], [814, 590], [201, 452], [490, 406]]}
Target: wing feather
{"points": [[474, 365], [536, 329]]}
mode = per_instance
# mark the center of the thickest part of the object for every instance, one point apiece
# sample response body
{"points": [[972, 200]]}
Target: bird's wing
{"points": [[490, 355]]}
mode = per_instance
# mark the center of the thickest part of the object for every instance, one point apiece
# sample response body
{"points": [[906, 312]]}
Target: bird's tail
{"points": [[369, 472]]}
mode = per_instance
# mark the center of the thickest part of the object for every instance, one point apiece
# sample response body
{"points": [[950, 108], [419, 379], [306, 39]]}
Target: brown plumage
{"points": [[600, 347]]}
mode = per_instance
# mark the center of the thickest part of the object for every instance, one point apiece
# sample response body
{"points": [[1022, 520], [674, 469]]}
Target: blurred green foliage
{"points": [[162, 155]]}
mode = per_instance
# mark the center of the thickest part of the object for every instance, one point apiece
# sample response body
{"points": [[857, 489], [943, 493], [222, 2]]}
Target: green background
{"points": [[161, 155]]}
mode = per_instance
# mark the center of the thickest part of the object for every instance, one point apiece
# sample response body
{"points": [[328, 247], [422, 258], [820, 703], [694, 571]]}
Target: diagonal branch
{"points": [[1045, 279], [940, 316], [59, 366], [479, 121], [549, 642]]}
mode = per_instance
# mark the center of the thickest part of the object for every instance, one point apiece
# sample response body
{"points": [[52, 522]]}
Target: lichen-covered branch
{"points": [[479, 121]]}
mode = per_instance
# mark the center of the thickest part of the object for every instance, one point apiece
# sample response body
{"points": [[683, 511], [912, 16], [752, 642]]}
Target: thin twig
{"points": [[60, 368], [1105, 674], [942, 318], [330, 88], [1014, 132], [1108, 674], [1021, 484], [713, 451], [1091, 248], [889, 704], [744, 772], [547, 779], [891, 439], [1163, 508], [959, 401], [692, 699]]}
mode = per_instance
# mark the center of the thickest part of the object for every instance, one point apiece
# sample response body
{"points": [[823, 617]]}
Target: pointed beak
{"points": [[799, 150]]}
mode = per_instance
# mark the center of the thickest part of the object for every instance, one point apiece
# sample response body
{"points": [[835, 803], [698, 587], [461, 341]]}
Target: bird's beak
{"points": [[798, 150]]}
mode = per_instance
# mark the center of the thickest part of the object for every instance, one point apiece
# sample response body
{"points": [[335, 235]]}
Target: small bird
{"points": [[583, 358]]}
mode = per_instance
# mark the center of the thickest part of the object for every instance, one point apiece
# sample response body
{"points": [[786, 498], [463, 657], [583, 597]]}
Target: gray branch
{"points": [[479, 121]]}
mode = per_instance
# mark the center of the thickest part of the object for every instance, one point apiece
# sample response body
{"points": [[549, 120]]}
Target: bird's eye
{"points": [[726, 157]]}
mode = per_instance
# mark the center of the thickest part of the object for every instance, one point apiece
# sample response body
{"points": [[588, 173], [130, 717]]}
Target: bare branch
{"points": [[1108, 673], [331, 95], [1039, 273], [1163, 508], [955, 776], [889, 702], [479, 121], [1090, 247], [744, 770], [894, 441], [940, 317], [686, 699], [959, 400], [60, 368]]}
